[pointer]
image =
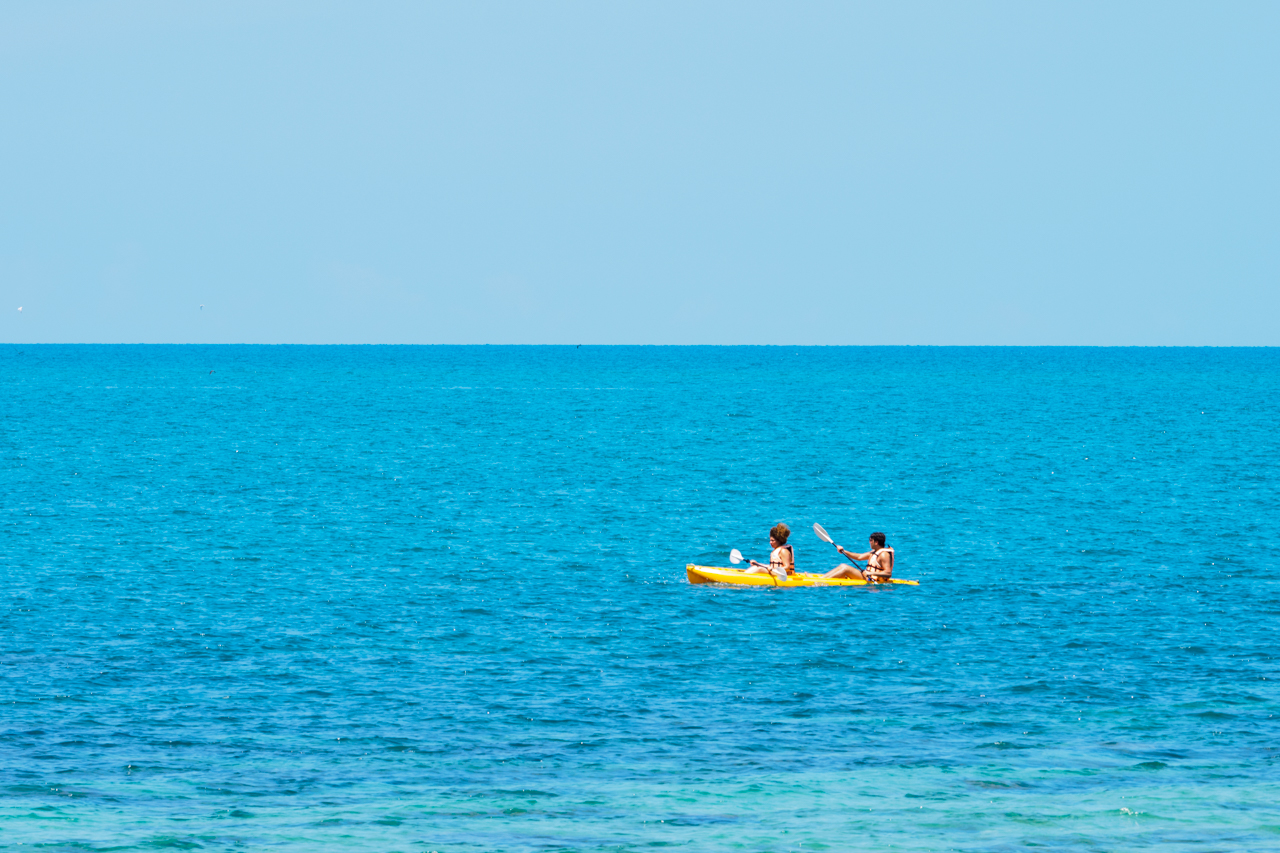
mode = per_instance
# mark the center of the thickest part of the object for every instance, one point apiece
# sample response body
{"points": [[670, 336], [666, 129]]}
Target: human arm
{"points": [[779, 557]]}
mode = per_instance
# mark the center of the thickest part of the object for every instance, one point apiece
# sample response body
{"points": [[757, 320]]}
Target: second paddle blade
{"points": [[822, 534]]}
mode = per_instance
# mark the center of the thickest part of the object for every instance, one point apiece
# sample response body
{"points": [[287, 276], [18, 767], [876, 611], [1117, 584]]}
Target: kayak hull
{"points": [[717, 574]]}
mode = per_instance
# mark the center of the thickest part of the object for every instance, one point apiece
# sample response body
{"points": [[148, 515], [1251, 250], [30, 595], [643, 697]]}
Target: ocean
{"points": [[433, 599]]}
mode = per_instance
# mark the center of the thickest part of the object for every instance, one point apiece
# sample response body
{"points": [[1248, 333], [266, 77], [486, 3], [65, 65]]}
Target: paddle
{"points": [[826, 537], [735, 557]]}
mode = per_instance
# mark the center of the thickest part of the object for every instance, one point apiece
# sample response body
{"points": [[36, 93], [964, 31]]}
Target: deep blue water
{"points": [[433, 598]]}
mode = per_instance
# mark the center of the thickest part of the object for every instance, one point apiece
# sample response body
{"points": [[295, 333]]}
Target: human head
{"points": [[878, 539], [779, 533]]}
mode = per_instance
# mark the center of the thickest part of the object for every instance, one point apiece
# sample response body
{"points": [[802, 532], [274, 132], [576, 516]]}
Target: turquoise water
{"points": [[433, 598]]}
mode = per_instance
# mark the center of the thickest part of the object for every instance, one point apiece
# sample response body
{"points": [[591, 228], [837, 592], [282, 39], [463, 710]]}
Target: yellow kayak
{"points": [[715, 574]]}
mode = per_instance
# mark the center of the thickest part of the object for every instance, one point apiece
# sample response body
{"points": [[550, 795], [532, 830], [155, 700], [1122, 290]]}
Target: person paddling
{"points": [[879, 562], [782, 559]]}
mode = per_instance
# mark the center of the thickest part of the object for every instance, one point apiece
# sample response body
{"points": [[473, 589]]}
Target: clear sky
{"points": [[668, 173]]}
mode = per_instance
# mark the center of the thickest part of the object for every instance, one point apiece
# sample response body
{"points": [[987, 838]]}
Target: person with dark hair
{"points": [[879, 562], [782, 559]]}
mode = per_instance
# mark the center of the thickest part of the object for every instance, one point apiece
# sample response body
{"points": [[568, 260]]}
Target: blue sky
{"points": [[666, 173]]}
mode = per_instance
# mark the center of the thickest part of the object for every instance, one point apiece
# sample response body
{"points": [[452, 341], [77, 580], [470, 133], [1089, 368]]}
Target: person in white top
{"points": [[879, 563], [782, 559]]}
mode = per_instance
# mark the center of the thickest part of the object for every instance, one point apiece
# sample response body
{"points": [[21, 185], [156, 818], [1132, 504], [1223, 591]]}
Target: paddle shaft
{"points": [[845, 554], [826, 537], [738, 553]]}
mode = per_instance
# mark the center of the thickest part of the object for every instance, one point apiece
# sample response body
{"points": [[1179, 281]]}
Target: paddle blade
{"points": [[735, 556], [822, 534]]}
